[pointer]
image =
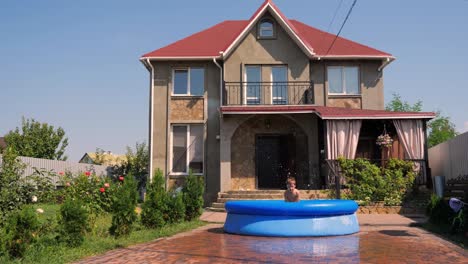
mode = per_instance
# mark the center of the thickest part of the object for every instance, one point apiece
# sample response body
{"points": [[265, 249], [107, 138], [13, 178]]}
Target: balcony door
{"points": [[279, 79], [253, 88]]}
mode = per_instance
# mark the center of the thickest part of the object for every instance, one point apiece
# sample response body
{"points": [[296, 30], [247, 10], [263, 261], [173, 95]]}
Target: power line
{"points": [[344, 22], [334, 15]]}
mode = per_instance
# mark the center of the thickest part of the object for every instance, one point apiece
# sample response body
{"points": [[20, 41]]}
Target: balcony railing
{"points": [[267, 93]]}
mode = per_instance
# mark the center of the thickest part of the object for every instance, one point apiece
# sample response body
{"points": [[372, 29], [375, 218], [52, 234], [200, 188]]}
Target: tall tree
{"points": [[38, 140], [398, 105], [440, 128]]}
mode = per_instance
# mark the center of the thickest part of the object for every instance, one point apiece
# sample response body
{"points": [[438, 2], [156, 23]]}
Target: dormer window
{"points": [[266, 29]]}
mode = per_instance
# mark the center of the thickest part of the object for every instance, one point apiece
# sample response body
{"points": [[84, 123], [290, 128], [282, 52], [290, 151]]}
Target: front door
{"points": [[274, 160]]}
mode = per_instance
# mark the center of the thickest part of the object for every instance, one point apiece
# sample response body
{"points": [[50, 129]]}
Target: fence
{"points": [[60, 166], [450, 159]]}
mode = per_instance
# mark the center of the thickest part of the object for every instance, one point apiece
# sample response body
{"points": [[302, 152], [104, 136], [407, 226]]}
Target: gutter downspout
{"points": [[151, 120], [220, 81]]}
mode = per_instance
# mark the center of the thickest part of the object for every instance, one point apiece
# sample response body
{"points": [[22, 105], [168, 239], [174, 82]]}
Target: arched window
{"points": [[266, 29]]}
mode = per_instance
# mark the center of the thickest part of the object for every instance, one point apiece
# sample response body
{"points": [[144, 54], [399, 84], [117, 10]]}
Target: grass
{"points": [[98, 241]]}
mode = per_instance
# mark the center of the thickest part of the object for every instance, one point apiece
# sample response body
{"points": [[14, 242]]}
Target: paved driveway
{"points": [[382, 239]]}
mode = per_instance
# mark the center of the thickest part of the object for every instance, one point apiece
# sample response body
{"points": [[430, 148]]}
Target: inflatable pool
{"points": [[284, 219]]}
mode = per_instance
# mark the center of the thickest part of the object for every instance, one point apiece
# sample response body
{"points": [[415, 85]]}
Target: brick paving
{"points": [[382, 239]]}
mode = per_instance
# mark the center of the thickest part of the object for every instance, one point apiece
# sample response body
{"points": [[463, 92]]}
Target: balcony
{"points": [[267, 93]]}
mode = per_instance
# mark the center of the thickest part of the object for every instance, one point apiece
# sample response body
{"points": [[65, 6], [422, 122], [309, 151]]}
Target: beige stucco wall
{"points": [[186, 110], [280, 51], [371, 84]]}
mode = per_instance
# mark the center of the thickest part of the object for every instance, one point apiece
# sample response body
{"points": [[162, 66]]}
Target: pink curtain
{"points": [[342, 138], [411, 134]]}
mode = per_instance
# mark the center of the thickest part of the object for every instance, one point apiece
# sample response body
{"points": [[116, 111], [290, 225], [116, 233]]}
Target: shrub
{"points": [[14, 192], [20, 231], [193, 196], [155, 205], [123, 208], [73, 222], [175, 208], [439, 211], [367, 182], [43, 188], [87, 187]]}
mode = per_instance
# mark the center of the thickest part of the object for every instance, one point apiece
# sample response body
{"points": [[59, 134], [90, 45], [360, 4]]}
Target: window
{"points": [[253, 76], [279, 78], [187, 149], [266, 29], [343, 80], [189, 81]]}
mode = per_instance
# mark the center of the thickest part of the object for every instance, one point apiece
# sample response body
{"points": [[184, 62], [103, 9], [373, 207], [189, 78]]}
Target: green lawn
{"points": [[47, 250]]}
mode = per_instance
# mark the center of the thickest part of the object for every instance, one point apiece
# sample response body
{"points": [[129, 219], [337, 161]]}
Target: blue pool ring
{"points": [[280, 218]]}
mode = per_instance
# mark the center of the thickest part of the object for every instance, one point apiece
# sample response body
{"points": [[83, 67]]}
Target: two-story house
{"points": [[246, 103]]}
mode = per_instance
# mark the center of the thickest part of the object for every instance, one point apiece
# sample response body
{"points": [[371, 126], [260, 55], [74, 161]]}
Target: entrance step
{"points": [[223, 197]]}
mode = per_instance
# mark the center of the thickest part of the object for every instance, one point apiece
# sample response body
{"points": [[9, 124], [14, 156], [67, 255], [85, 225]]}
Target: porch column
{"points": [[225, 160]]}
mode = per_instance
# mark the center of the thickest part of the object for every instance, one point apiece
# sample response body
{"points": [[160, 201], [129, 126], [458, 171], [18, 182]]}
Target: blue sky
{"points": [[75, 64]]}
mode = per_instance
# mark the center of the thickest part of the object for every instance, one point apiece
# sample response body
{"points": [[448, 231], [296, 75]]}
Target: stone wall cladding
{"points": [[354, 103], [243, 174], [187, 109]]}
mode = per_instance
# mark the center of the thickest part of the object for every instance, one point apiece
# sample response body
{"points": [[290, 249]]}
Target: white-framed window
{"points": [[266, 29], [279, 84], [343, 80], [186, 149], [253, 87], [188, 81]]}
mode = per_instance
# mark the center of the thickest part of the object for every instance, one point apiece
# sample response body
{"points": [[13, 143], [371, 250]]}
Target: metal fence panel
{"points": [[450, 159], [61, 166]]}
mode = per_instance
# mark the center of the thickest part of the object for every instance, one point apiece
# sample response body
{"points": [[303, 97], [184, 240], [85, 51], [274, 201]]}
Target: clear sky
{"points": [[75, 64]]}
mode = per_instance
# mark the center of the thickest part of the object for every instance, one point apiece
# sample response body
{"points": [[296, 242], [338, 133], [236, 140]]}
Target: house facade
{"points": [[247, 103]]}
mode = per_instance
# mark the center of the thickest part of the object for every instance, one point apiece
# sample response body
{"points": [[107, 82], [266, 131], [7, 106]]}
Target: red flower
{"points": [[67, 184], [121, 178], [102, 190], [107, 185], [61, 173], [87, 173]]}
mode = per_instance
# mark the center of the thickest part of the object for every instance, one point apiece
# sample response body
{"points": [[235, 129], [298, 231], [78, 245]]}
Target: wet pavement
{"points": [[384, 243]]}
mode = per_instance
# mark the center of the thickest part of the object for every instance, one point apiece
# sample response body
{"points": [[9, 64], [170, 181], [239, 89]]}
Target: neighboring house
{"points": [[104, 158], [246, 103], [57, 167], [449, 159]]}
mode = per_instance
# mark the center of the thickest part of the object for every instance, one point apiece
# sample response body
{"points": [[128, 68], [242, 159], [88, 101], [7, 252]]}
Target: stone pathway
{"points": [[382, 239]]}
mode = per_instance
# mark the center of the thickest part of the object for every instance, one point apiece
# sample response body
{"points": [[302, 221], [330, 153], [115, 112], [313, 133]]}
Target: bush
{"points": [[193, 196], [439, 211], [14, 192], [73, 222], [367, 182], [175, 208], [96, 193], [42, 185], [123, 208], [155, 205], [20, 232]]}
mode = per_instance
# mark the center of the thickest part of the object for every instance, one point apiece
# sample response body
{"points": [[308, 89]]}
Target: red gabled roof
{"points": [[327, 112], [206, 43], [321, 41], [219, 38]]}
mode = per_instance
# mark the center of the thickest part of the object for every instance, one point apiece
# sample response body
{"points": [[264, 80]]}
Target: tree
{"points": [[440, 128], [38, 140], [398, 105]]}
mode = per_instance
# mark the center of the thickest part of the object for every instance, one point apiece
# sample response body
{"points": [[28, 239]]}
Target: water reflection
{"points": [[309, 247]]}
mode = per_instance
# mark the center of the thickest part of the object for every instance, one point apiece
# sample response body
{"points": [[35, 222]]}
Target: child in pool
{"points": [[291, 194]]}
